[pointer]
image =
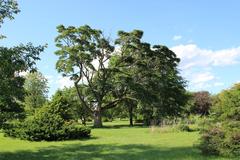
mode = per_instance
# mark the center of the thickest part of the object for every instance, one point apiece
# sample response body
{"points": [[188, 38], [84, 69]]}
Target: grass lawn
{"points": [[110, 143]]}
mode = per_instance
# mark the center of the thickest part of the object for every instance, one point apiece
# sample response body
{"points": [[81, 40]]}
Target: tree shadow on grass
{"points": [[107, 152], [118, 126]]}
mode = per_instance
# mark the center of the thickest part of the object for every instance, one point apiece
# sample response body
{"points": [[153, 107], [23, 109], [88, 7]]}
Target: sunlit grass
{"points": [[111, 143]]}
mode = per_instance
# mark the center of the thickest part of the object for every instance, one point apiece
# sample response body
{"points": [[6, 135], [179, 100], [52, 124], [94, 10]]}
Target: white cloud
{"points": [[192, 54], [197, 64], [64, 82], [202, 77], [177, 37]]}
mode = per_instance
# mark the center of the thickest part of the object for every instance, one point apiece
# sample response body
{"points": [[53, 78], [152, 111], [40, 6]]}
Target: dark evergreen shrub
{"points": [[50, 123]]}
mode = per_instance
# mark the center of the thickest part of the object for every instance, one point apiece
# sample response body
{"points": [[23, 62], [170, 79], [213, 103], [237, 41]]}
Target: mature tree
{"points": [[83, 56], [14, 61], [36, 87], [151, 77], [138, 73]]}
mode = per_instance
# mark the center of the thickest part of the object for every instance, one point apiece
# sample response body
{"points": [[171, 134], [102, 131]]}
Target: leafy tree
{"points": [[151, 77], [36, 89], [83, 56], [14, 61], [198, 103], [202, 103]]}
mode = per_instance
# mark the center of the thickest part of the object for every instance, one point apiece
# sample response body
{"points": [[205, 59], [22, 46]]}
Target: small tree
{"points": [[201, 103], [36, 91]]}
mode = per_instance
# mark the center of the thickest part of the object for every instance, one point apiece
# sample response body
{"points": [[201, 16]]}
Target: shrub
{"points": [[211, 141], [220, 141], [74, 131], [231, 145], [222, 136], [48, 123]]}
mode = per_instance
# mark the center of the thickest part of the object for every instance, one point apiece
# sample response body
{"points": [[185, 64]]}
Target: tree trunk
{"points": [[130, 109], [84, 121], [97, 115]]}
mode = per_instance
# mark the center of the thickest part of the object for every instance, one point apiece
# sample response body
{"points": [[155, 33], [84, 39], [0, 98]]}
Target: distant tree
{"points": [[36, 87], [201, 103]]}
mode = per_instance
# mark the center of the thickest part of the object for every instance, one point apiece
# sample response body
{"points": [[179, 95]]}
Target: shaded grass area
{"points": [[111, 143]]}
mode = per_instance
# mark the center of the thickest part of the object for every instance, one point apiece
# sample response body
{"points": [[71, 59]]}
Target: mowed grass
{"points": [[115, 142]]}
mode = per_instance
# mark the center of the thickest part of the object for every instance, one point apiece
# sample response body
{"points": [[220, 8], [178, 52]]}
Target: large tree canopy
{"points": [[151, 76], [135, 71], [83, 56]]}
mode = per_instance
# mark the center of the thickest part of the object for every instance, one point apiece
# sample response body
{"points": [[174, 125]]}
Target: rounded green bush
{"points": [[50, 123]]}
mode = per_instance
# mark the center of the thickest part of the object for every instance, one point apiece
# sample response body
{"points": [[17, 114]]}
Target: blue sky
{"points": [[204, 34]]}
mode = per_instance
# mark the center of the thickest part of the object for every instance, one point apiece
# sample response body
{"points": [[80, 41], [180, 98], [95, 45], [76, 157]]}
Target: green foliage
{"points": [[77, 109], [14, 61], [184, 127], [83, 54], [7, 9], [222, 134], [36, 89], [49, 123], [149, 76], [138, 74]]}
